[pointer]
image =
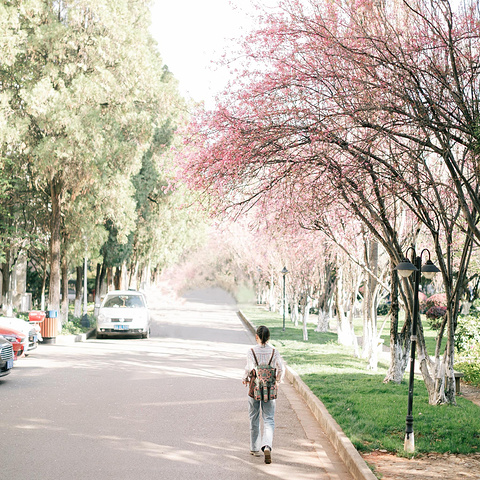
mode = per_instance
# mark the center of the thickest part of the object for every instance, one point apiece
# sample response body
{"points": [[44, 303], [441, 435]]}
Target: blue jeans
{"points": [[258, 441]]}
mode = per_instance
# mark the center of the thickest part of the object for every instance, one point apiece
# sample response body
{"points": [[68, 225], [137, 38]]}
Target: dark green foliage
{"points": [[34, 285], [90, 285], [383, 309], [113, 252], [74, 325], [149, 183]]}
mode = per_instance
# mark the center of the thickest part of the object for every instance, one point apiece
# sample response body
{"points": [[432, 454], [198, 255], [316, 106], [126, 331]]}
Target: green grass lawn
{"points": [[371, 413]]}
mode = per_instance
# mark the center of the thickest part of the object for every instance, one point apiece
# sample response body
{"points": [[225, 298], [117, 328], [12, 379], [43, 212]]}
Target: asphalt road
{"points": [[167, 408]]}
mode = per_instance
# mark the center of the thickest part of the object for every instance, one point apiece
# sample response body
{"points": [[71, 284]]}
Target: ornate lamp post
{"points": [[405, 269], [284, 273]]}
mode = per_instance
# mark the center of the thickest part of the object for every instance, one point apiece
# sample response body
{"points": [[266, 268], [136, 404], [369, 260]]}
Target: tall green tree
{"points": [[85, 87]]}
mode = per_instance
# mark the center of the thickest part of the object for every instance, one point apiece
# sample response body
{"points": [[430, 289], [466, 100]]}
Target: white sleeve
{"points": [[279, 365], [250, 364]]}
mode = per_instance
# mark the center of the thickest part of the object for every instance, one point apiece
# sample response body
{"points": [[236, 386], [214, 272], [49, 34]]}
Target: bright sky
{"points": [[190, 34]]}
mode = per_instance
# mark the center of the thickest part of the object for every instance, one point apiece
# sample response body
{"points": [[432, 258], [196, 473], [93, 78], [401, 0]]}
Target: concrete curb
{"points": [[69, 339], [348, 453]]}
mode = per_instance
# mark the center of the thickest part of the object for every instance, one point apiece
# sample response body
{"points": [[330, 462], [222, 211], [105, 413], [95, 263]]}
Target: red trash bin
{"points": [[36, 316]]}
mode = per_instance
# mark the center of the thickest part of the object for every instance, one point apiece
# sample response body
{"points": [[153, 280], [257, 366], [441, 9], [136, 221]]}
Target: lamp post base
{"points": [[409, 444]]}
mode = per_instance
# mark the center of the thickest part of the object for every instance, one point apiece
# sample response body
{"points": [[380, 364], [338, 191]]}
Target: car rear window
{"points": [[129, 301]]}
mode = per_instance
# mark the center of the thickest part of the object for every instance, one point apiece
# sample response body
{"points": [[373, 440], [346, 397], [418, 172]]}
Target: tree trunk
{"points": [[351, 318], [8, 279], [399, 341], [117, 277], [326, 299], [78, 292], [6, 275], [449, 358], [147, 275], [294, 308], [99, 280], [441, 388], [438, 375], [434, 382], [135, 283], [157, 274], [64, 289], [306, 315], [370, 335], [44, 283], [55, 241], [271, 296], [375, 341], [124, 278], [284, 302], [132, 281], [344, 329], [323, 321], [110, 279], [366, 332]]}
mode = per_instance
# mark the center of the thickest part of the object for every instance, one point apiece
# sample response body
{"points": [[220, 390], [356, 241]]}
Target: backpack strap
{"points": [[271, 358], [255, 357]]}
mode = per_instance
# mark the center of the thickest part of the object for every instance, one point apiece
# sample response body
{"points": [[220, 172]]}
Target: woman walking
{"points": [[262, 354]]}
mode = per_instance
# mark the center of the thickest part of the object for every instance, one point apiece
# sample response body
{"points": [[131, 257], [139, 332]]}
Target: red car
{"points": [[16, 338]]}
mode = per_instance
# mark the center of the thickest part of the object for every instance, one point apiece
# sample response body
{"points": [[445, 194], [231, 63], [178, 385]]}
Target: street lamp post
{"points": [[284, 273], [405, 269]]}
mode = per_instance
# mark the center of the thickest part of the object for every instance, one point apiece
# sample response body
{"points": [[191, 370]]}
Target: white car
{"points": [[30, 330], [123, 312]]}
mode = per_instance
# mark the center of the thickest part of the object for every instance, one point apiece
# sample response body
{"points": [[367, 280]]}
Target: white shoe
{"points": [[268, 455]]}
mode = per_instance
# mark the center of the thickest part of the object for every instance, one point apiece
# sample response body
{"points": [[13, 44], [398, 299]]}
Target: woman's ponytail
{"points": [[263, 334]]}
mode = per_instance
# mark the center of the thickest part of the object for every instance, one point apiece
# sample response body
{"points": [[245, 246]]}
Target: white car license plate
{"points": [[9, 364], [120, 327]]}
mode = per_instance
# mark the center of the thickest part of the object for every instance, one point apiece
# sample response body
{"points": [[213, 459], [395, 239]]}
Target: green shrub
{"points": [[435, 316], [471, 371], [74, 325], [467, 336]]}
